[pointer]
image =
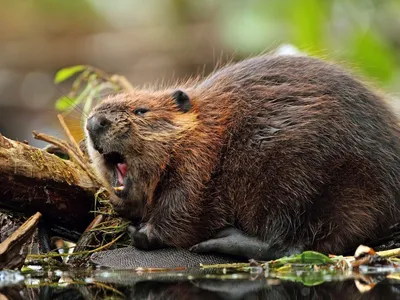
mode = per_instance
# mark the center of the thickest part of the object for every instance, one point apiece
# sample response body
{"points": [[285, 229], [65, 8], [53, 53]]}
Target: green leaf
{"points": [[65, 103], [66, 73], [307, 257], [315, 258]]}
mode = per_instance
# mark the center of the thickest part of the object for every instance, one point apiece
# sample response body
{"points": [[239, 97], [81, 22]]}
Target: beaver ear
{"points": [[182, 100]]}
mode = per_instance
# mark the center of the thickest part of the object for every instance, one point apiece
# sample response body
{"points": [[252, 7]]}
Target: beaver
{"points": [[264, 157]]}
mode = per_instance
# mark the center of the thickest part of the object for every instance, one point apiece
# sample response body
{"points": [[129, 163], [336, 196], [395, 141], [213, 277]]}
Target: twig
{"points": [[66, 147], [389, 253], [42, 256], [122, 82], [87, 238]]}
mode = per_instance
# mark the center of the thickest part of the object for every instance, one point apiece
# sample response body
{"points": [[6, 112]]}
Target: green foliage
{"points": [[64, 103], [307, 257], [373, 55], [67, 73], [362, 34], [307, 18], [88, 86]]}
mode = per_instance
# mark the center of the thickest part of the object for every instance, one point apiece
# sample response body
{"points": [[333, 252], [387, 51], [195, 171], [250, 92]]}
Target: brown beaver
{"points": [[292, 152]]}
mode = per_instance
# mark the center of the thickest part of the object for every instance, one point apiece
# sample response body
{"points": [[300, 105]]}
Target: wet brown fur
{"points": [[290, 149]]}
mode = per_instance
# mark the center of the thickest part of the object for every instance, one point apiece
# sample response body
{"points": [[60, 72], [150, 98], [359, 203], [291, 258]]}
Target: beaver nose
{"points": [[97, 124]]}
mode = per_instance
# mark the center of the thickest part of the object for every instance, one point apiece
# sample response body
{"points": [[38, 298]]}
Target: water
{"points": [[250, 283]]}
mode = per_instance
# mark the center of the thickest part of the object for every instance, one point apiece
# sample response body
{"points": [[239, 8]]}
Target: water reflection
{"points": [[196, 284]]}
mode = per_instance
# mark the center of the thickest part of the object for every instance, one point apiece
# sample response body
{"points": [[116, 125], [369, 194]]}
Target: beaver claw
{"points": [[143, 238]]}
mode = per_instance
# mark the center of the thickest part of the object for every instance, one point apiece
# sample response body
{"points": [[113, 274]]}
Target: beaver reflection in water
{"points": [[263, 158]]}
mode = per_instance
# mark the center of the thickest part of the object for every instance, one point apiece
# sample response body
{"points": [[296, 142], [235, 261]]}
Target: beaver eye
{"points": [[140, 111]]}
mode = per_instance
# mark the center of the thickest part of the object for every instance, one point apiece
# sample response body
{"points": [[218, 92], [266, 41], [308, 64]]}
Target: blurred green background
{"points": [[155, 40]]}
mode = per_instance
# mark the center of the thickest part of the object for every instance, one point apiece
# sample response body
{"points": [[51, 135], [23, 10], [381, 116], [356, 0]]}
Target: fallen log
{"points": [[32, 180]]}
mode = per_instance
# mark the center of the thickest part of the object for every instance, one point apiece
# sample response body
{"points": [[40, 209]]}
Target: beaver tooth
{"points": [[118, 188]]}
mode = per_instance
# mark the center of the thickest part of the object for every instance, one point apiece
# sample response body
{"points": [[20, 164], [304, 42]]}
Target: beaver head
{"points": [[130, 140]]}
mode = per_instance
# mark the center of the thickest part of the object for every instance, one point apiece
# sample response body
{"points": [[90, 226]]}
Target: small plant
{"points": [[89, 85]]}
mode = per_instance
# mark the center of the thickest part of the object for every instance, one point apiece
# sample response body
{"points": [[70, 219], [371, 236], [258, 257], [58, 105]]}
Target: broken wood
{"points": [[13, 250], [8, 224], [32, 179]]}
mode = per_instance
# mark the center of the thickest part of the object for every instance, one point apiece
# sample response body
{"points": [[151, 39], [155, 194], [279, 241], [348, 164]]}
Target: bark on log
{"points": [[34, 180]]}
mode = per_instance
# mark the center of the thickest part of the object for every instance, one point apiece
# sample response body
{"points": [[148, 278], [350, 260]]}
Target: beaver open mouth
{"points": [[116, 162]]}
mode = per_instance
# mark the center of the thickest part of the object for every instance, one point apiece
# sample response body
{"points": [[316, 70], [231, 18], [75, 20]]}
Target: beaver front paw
{"points": [[144, 238]]}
